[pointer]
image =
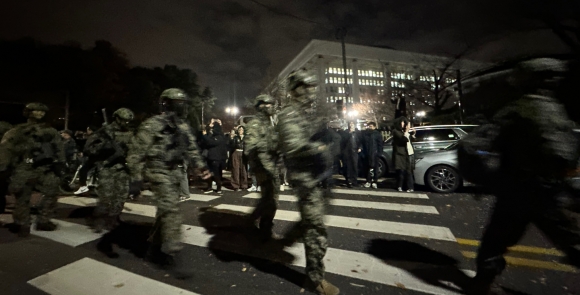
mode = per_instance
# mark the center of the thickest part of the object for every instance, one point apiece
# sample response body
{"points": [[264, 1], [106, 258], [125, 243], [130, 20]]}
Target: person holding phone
{"points": [[403, 153]]}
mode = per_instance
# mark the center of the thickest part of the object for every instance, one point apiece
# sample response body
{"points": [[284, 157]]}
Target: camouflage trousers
{"points": [[268, 204], [312, 204], [166, 231], [26, 179], [113, 191]]}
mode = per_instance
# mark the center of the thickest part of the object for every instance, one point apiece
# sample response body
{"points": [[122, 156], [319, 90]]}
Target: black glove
{"points": [[135, 188]]}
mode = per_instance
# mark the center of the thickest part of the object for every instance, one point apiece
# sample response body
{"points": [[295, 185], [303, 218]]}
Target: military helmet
{"points": [[174, 94], [124, 114], [36, 106], [300, 78], [264, 98]]}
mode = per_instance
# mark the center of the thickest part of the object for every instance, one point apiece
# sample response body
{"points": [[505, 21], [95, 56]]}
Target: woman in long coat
{"points": [[403, 153]]}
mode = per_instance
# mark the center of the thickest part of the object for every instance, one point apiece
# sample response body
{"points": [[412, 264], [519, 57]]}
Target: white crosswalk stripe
{"points": [[338, 261], [380, 193], [90, 277], [363, 204], [379, 226]]}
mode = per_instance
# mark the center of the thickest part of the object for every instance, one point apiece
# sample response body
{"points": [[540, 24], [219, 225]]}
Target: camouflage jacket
{"points": [[37, 144], [110, 144], [162, 142], [535, 141], [261, 144], [296, 130]]}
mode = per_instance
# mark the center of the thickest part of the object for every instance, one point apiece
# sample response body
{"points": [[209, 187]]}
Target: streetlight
{"points": [[420, 114], [232, 111]]}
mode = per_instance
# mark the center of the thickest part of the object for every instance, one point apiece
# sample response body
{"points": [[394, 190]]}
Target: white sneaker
{"points": [[410, 190], [374, 185], [82, 189], [184, 198], [282, 188], [259, 189], [367, 184], [400, 189], [252, 189]]}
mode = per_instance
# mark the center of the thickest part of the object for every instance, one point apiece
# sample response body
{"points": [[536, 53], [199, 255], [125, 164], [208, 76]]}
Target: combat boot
{"points": [[46, 226], [180, 269], [105, 246], [156, 256], [326, 288]]}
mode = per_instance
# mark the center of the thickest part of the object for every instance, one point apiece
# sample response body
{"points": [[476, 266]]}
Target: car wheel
{"points": [[382, 168], [443, 179]]}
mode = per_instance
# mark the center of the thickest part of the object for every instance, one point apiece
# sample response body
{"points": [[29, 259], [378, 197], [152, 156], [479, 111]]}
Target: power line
{"points": [[274, 10]]}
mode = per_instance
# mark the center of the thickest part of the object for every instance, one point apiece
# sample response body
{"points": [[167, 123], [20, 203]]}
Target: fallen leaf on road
{"points": [[167, 275], [244, 269], [401, 286], [448, 205], [119, 285], [188, 228], [357, 224], [301, 290], [357, 285], [233, 286], [354, 270]]}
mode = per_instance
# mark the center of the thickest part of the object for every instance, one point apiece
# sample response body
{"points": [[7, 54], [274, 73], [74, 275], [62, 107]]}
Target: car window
{"points": [[435, 135]]}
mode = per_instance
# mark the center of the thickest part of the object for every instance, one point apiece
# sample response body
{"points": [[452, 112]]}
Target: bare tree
{"points": [[433, 87]]}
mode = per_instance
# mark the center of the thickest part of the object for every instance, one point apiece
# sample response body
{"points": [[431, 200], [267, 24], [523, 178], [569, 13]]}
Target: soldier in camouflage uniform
{"points": [[529, 183], [111, 143], [4, 127], [35, 153], [306, 161], [262, 152], [162, 144]]}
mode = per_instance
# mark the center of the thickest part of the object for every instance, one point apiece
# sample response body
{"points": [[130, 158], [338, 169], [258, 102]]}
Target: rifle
{"points": [[104, 111]]}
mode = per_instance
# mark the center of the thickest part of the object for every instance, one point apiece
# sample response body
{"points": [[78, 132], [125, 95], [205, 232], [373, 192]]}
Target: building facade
{"points": [[376, 76]]}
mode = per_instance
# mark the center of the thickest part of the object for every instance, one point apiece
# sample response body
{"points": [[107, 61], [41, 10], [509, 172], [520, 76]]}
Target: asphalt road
{"points": [[381, 242]]}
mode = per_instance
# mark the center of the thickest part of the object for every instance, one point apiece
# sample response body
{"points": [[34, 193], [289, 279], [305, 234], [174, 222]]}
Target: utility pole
{"points": [[341, 34], [460, 94]]}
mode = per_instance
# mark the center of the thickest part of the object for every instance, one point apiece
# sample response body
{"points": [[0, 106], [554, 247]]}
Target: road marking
{"points": [[389, 227], [380, 193], [363, 204], [517, 248], [342, 262], [202, 198], [72, 234], [90, 277], [516, 261]]}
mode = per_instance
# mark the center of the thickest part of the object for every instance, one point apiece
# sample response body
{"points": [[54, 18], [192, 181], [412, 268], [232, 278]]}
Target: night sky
{"points": [[246, 42]]}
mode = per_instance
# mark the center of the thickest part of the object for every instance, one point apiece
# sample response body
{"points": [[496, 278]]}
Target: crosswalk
{"points": [[79, 276]]}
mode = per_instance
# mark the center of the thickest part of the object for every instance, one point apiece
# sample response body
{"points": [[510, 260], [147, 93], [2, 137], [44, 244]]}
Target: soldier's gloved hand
{"points": [[205, 174], [135, 187]]}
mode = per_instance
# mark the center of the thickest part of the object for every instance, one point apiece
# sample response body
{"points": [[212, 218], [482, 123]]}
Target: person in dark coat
{"points": [[351, 146], [217, 154], [373, 143], [403, 153]]}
